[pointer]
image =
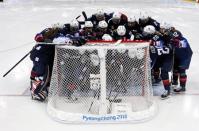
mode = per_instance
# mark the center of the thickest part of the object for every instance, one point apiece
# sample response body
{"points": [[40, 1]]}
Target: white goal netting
{"points": [[101, 82]]}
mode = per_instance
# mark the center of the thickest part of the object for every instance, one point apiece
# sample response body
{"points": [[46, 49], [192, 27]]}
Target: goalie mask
{"points": [[121, 30]]}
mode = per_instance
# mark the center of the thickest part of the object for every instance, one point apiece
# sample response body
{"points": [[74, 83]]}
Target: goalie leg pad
{"points": [[39, 85], [41, 96]]}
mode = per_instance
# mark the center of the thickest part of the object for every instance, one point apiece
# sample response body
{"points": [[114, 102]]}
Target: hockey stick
{"points": [[25, 57], [80, 22], [16, 64], [85, 16], [77, 17], [173, 60]]}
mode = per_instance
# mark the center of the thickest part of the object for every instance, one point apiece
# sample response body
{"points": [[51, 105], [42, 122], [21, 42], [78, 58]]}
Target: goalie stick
{"points": [[17, 64], [24, 58], [29, 53]]}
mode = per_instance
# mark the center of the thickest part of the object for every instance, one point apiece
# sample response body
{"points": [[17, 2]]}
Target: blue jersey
{"points": [[159, 49], [183, 53]]}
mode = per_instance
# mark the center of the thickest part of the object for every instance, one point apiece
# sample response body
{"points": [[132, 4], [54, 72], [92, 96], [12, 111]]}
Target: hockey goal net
{"points": [[103, 82]]}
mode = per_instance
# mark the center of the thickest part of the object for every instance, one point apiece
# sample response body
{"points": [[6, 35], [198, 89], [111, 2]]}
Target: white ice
{"points": [[20, 20]]}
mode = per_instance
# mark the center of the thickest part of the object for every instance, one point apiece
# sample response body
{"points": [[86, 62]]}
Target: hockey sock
{"points": [[165, 79], [166, 84], [183, 78], [175, 77]]}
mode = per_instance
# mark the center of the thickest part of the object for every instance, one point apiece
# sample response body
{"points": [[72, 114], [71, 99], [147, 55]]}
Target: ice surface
{"points": [[20, 20]]}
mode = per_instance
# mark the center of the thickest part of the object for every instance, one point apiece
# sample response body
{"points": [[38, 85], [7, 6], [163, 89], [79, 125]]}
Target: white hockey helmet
{"points": [[116, 15], [99, 12], [131, 19], [149, 29], [107, 37], [165, 25], [102, 24], [121, 30], [74, 24], [88, 24], [143, 15], [100, 15]]}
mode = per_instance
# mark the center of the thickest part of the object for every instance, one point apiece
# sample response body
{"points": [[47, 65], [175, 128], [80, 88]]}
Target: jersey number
{"points": [[163, 51]]}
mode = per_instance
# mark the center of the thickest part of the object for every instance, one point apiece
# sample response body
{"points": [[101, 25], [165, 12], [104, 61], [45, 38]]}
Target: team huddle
{"points": [[169, 49]]}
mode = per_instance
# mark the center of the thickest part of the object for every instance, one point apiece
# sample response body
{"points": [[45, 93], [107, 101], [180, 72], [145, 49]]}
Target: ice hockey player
{"points": [[88, 32], [116, 20], [182, 59], [133, 28], [101, 29], [120, 34], [42, 56], [161, 56], [100, 15], [71, 28], [145, 20]]}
